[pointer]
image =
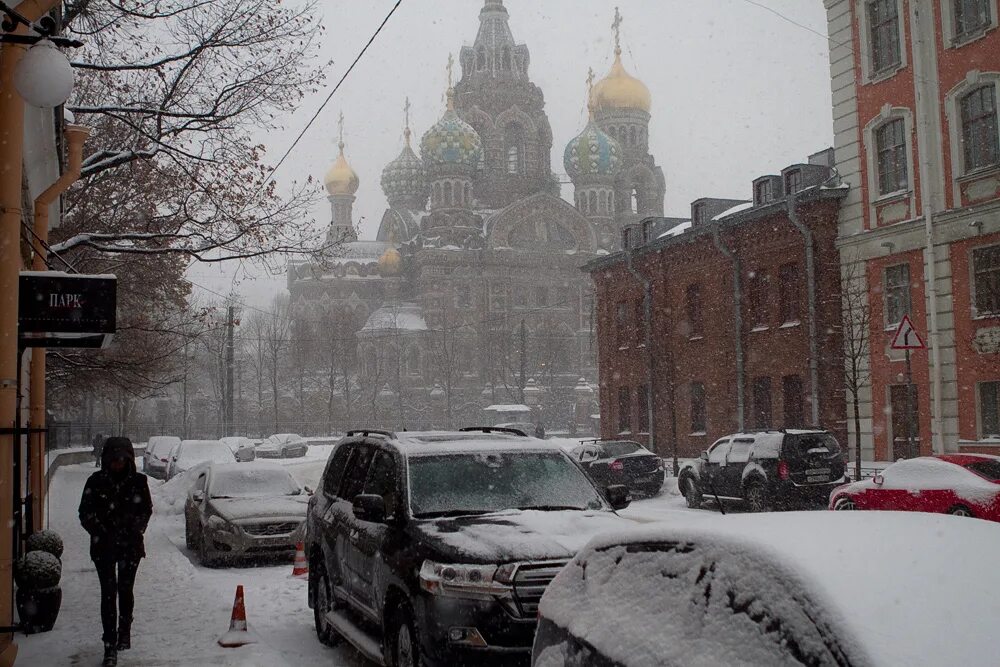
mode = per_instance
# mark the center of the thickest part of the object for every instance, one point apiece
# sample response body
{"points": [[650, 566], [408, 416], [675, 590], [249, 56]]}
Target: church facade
{"points": [[472, 292]]}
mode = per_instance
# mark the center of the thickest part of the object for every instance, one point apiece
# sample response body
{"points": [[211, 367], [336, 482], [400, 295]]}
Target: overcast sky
{"points": [[737, 91]]}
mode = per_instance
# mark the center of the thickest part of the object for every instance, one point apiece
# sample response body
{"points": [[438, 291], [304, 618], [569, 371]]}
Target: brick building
{"points": [[733, 344], [915, 89]]}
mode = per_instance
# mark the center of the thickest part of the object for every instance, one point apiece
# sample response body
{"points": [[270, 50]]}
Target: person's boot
{"points": [[124, 637], [110, 655]]}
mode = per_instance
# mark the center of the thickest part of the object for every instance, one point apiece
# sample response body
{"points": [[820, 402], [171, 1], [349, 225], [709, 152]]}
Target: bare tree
{"points": [[856, 323], [276, 327]]}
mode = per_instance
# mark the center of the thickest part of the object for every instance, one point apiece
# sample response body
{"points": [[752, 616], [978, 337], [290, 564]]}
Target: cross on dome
{"points": [[616, 25]]}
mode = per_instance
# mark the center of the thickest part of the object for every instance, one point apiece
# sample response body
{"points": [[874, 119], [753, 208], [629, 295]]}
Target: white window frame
{"points": [[980, 426], [976, 315], [868, 75], [887, 114], [948, 23], [953, 113]]}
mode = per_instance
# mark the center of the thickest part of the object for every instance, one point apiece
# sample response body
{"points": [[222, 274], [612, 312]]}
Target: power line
{"points": [[332, 92], [792, 21]]}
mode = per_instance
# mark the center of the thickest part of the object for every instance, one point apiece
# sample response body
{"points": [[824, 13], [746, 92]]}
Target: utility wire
{"points": [[794, 22]]}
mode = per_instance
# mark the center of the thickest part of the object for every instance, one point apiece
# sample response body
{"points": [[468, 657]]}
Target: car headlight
{"points": [[218, 523], [476, 582]]}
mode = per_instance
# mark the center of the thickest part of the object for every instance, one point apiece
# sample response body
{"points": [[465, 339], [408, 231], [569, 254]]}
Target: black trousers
{"points": [[117, 599]]}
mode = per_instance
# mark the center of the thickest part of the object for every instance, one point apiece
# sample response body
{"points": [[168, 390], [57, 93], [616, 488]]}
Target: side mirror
{"points": [[198, 496], [308, 490], [703, 456], [878, 479], [618, 496], [369, 507]]}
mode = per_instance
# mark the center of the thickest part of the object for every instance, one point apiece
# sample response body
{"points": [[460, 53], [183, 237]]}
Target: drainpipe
{"points": [[647, 312], [75, 135], [807, 235], [737, 324]]}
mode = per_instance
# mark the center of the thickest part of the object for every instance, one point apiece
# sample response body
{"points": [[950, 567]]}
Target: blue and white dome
{"points": [[404, 179], [451, 144], [592, 153]]}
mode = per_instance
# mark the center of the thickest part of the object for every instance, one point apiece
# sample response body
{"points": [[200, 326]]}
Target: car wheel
{"points": [[844, 504], [405, 647], [756, 497], [692, 494], [323, 604], [961, 510]]}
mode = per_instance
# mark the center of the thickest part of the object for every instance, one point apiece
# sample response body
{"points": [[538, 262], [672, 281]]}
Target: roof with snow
{"points": [[396, 317]]}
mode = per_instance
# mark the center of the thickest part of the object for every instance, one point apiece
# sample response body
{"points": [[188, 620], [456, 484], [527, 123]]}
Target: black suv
{"points": [[621, 462], [768, 470], [435, 548]]}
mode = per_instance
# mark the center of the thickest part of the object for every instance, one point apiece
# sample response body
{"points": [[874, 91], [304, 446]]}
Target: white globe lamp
{"points": [[44, 77]]}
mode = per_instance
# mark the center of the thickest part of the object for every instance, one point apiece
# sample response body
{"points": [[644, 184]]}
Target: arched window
{"points": [[436, 194], [631, 136], [607, 196], [591, 202], [505, 59], [481, 59], [371, 362], [634, 203], [448, 194], [980, 136], [514, 149], [413, 361]]}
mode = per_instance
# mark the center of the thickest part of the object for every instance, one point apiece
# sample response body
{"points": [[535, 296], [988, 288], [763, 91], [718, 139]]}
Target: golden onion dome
{"points": [[621, 90], [341, 179], [390, 263]]}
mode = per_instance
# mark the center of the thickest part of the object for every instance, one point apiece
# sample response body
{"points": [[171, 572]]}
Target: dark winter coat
{"points": [[115, 508]]}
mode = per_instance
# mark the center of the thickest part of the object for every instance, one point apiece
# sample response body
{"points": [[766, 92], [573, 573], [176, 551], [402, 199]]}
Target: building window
{"points": [[989, 409], [764, 193], [647, 231], [789, 293], [626, 238], [897, 294], [498, 298], [505, 59], [624, 410], [464, 296], [971, 17], [759, 305], [980, 138], [634, 200], [515, 153], [791, 390], [762, 403], [643, 394], [883, 26], [986, 280], [700, 214], [413, 361], [902, 425], [793, 182], [694, 313], [481, 59], [699, 421], [621, 323], [890, 140]]}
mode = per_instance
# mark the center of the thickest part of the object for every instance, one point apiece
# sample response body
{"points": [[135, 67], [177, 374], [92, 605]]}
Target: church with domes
{"points": [[472, 295]]}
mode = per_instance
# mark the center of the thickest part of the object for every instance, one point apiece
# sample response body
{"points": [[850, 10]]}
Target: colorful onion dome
{"points": [[592, 153], [451, 144]]}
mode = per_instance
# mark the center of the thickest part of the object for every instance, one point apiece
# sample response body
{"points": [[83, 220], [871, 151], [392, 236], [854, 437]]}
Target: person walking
{"points": [[98, 445], [115, 510]]}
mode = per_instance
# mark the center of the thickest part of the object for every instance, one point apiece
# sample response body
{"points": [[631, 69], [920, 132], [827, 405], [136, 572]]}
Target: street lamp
{"points": [[44, 77]]}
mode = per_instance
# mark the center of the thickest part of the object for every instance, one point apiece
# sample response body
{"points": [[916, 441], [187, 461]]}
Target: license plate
{"points": [[818, 471], [817, 478]]}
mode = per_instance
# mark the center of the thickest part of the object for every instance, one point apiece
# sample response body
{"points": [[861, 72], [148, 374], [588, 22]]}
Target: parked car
{"points": [[189, 453], [157, 455], [622, 462], [961, 484], [238, 510], [323, 440], [767, 470], [434, 548], [800, 588], [243, 448], [283, 446]]}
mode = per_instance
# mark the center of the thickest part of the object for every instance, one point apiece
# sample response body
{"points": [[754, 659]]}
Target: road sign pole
{"points": [[910, 449]]}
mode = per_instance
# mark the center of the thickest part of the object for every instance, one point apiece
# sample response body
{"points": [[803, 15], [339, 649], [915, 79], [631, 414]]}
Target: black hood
{"points": [[115, 447]]}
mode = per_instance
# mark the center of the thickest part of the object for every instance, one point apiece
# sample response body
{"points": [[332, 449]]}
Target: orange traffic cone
{"points": [[238, 634], [301, 567]]}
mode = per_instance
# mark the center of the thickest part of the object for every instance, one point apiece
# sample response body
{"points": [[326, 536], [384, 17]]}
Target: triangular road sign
{"points": [[906, 337]]}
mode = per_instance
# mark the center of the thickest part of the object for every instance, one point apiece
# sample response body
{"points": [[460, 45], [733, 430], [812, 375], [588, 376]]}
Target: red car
{"points": [[960, 484]]}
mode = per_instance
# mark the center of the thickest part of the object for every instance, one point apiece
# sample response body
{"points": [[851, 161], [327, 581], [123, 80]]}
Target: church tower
{"points": [[621, 105], [497, 98], [404, 181], [341, 183]]}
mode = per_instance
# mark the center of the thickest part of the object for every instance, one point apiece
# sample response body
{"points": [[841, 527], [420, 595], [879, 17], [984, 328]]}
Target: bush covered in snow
{"points": [[45, 540], [37, 569]]}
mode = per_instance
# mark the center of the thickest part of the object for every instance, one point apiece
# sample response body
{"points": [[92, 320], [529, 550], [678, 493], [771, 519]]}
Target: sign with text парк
{"points": [[57, 309], [906, 337]]}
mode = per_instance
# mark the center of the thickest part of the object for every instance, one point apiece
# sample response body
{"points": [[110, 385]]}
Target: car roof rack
{"points": [[494, 429], [365, 432]]}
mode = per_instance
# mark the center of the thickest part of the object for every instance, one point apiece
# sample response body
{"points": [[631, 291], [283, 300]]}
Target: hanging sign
{"points": [[57, 309]]}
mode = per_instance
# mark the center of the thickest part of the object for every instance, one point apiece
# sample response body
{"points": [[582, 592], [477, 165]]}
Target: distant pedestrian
{"points": [[98, 444], [539, 431], [115, 509]]}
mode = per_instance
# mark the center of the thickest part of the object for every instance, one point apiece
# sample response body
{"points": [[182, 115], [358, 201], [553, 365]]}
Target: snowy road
{"points": [[181, 607]]}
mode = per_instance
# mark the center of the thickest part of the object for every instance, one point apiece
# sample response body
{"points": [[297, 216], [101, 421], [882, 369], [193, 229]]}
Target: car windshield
{"points": [[493, 481], [800, 446], [614, 449], [988, 469], [246, 481]]}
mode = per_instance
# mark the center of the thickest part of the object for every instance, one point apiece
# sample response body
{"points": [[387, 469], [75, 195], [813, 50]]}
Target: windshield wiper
{"points": [[447, 513], [551, 508]]}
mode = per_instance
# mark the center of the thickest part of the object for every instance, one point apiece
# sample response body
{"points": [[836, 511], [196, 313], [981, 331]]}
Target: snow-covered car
{"points": [[243, 448], [799, 588], [189, 453], [961, 484], [156, 456], [239, 510], [283, 446]]}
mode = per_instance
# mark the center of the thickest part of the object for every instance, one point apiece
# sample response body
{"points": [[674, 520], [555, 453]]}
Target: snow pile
{"points": [[170, 496], [791, 588]]}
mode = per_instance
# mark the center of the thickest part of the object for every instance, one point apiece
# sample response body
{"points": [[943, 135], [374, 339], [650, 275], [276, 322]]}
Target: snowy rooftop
{"points": [[513, 407], [397, 317]]}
